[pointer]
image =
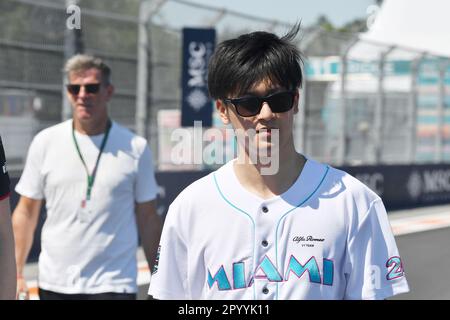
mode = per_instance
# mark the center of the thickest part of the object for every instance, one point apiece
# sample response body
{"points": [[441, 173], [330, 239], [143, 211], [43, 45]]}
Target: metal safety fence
{"points": [[380, 104], [363, 103]]}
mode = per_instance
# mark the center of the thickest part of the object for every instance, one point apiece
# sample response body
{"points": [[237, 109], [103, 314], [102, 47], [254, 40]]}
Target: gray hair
{"points": [[81, 62]]}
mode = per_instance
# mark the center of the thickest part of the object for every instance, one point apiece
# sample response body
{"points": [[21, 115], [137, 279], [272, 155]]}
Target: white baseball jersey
{"points": [[327, 237]]}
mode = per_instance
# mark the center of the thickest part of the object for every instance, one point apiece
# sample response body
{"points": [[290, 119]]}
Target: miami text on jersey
{"points": [[267, 270]]}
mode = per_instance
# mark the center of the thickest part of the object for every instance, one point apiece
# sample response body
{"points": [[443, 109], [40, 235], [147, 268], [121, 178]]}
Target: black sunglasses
{"points": [[250, 106], [89, 88]]}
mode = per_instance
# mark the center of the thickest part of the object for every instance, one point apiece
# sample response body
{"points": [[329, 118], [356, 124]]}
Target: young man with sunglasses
{"points": [[303, 231], [7, 262], [98, 183]]}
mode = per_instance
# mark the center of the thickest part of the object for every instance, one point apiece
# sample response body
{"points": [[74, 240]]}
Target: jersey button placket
{"points": [[264, 225]]}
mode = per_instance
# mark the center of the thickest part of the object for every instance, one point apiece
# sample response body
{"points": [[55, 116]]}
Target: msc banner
{"points": [[198, 46], [406, 186]]}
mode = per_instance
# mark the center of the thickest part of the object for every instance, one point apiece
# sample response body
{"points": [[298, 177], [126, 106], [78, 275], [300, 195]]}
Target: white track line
{"points": [[421, 223]]}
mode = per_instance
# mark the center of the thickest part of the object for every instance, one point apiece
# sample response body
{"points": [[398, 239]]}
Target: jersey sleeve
{"points": [[169, 276], [146, 186], [374, 269], [31, 183], [4, 177]]}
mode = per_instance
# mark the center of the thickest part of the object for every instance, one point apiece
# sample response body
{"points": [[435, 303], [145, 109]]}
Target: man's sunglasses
{"points": [[89, 88], [250, 106]]}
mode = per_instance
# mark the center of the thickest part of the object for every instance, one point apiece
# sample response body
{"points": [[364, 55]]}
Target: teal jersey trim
{"points": [[253, 223], [254, 226], [291, 210]]}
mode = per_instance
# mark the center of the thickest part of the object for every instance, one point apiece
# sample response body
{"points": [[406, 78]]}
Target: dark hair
{"points": [[240, 63]]}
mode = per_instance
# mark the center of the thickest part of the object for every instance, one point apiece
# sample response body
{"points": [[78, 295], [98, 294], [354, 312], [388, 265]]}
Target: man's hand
{"points": [[22, 289], [150, 227]]}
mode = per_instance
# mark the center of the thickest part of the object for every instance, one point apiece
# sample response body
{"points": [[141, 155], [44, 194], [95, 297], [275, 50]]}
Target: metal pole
{"points": [[379, 110], [216, 19], [440, 112], [299, 122], [146, 10], [343, 113], [342, 155], [233, 13], [342, 138], [412, 141], [72, 45], [142, 71]]}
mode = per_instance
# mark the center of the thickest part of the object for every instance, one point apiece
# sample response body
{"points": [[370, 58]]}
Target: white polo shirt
{"points": [[327, 237], [98, 255]]}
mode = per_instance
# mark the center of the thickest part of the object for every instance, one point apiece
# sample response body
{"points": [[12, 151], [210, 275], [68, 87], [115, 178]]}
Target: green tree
{"points": [[324, 23]]}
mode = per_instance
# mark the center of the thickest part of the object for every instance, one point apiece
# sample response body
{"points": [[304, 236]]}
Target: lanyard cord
{"points": [[91, 177]]}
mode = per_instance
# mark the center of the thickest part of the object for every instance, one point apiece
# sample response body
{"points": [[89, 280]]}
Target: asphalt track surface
{"points": [[426, 257]]}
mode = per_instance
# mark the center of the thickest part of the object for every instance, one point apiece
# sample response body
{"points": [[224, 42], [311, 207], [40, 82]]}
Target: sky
{"points": [[338, 11]]}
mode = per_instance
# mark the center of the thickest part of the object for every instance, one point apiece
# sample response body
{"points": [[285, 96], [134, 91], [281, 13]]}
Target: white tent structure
{"points": [[406, 30], [416, 25]]}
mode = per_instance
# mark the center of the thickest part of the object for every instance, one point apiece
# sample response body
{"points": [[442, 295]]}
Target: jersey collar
{"points": [[307, 183]]}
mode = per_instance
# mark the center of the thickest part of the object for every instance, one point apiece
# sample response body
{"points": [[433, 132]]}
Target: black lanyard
{"points": [[91, 177]]}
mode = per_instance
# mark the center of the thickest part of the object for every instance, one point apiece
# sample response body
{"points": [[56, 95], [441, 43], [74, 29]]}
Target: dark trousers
{"points": [[50, 295]]}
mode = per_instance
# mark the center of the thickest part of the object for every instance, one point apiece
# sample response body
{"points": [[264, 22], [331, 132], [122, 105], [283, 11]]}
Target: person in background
{"points": [[98, 183]]}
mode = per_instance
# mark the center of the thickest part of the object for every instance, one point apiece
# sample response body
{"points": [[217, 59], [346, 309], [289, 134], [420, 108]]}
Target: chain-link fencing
{"points": [[363, 103]]}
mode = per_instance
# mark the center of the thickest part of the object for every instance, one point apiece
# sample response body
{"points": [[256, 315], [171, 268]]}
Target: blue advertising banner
{"points": [[198, 46]]}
